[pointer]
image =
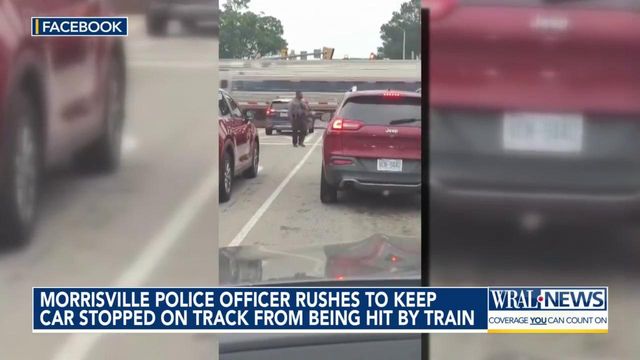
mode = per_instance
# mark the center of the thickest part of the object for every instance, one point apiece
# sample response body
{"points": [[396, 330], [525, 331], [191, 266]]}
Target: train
{"points": [[254, 84]]}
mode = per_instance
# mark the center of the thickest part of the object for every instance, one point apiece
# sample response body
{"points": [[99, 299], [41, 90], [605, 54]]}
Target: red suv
{"points": [[535, 106], [373, 143], [239, 146], [59, 98]]}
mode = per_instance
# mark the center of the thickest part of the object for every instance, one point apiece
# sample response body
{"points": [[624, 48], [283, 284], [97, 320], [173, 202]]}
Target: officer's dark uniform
{"points": [[298, 111]]}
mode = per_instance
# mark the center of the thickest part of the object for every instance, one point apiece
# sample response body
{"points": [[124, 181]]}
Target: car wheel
{"points": [[104, 154], [268, 131], [21, 171], [157, 24], [328, 192], [226, 177], [252, 172]]}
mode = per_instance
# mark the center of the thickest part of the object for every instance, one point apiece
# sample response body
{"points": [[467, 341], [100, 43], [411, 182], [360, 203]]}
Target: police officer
{"points": [[298, 112]]}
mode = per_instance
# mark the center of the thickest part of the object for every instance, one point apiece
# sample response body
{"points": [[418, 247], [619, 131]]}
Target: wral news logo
{"points": [[558, 299], [79, 26]]}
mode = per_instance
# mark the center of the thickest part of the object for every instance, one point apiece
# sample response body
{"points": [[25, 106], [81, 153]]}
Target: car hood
{"points": [[376, 257]]}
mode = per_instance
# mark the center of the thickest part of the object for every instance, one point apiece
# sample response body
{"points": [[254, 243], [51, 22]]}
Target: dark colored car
{"points": [[278, 117], [60, 98], [239, 146], [378, 261], [192, 14], [373, 143], [536, 107]]}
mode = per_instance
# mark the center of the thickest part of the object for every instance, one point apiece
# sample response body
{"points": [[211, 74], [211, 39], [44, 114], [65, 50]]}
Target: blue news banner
{"points": [[79, 26], [255, 310]]}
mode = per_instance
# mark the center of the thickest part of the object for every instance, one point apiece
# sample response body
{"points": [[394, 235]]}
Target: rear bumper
{"points": [[557, 205], [362, 175], [470, 170], [283, 125]]}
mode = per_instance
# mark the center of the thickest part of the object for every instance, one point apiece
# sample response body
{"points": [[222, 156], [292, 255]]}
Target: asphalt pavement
{"points": [[281, 207], [152, 223]]}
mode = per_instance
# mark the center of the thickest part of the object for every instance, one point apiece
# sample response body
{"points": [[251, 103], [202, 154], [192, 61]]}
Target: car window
{"points": [[381, 110], [223, 106], [280, 105], [235, 109], [600, 4]]}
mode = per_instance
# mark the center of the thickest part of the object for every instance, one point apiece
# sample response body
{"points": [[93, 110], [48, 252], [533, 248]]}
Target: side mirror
{"points": [[249, 116]]}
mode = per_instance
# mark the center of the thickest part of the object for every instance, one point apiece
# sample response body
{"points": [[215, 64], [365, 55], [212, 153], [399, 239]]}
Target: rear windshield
{"points": [[379, 110], [598, 4], [280, 105]]}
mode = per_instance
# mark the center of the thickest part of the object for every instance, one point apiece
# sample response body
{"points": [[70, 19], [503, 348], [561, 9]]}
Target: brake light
{"points": [[391, 94], [269, 111], [341, 162], [345, 124]]}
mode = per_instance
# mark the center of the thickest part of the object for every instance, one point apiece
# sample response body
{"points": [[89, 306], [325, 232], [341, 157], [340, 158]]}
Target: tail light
{"points": [[391, 94], [269, 111], [341, 162], [340, 124]]}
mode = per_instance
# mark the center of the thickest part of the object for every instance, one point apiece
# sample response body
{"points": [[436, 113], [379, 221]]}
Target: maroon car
{"points": [[60, 98], [239, 146], [535, 107], [374, 144]]}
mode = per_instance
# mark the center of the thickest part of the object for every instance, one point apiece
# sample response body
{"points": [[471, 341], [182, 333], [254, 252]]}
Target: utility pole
{"points": [[404, 43]]}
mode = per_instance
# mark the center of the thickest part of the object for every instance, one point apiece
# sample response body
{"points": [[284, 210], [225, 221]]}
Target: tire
{"points": [[268, 131], [21, 170], [226, 177], [252, 172], [157, 24], [328, 192], [103, 155]]}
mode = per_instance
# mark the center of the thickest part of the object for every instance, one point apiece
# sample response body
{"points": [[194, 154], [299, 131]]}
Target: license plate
{"points": [[558, 133], [393, 165]]}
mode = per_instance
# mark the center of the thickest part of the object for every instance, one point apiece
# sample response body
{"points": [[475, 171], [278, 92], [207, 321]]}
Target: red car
{"points": [[374, 144], [59, 98], [535, 106], [239, 146]]}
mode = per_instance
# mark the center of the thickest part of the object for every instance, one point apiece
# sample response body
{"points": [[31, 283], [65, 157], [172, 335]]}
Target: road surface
{"points": [[152, 223], [281, 207]]}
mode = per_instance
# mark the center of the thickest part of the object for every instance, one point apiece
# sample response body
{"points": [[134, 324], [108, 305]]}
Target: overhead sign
{"points": [[327, 53]]}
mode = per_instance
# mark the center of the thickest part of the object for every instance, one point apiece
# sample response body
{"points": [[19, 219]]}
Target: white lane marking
{"points": [[173, 64], [239, 238], [129, 144], [78, 346]]}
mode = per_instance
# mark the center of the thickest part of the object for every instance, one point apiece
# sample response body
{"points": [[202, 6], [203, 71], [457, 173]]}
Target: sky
{"points": [[351, 27]]}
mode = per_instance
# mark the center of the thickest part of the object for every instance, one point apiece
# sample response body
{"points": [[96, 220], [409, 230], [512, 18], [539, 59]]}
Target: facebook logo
{"points": [[79, 26]]}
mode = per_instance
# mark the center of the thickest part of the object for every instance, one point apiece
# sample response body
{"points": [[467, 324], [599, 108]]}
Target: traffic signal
{"points": [[327, 53], [284, 52]]}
